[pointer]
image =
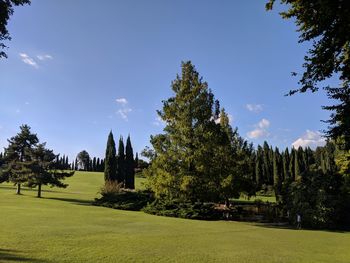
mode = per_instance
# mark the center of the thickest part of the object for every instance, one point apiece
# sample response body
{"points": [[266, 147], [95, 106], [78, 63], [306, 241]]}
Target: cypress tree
{"points": [[76, 166], [258, 167], [121, 162], [110, 168], [94, 164], [137, 160], [98, 164], [297, 165], [292, 164], [129, 165]]}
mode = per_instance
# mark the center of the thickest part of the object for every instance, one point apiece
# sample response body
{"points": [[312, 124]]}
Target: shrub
{"points": [[114, 196], [176, 208]]}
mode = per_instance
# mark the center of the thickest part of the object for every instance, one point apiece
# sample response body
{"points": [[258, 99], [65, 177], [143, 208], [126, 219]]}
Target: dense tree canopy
{"points": [[6, 10], [196, 156]]}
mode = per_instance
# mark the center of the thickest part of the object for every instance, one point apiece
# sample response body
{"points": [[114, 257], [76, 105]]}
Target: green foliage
{"points": [[178, 208], [83, 160], [199, 156], [110, 168], [6, 10], [18, 157], [44, 170], [129, 165], [114, 196], [318, 198], [121, 162], [326, 24]]}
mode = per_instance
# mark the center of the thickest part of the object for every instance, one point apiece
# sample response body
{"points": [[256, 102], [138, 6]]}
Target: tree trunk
{"points": [[39, 191], [18, 192]]}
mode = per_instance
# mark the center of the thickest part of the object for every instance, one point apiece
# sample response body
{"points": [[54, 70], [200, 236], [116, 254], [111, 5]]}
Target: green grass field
{"points": [[64, 227]]}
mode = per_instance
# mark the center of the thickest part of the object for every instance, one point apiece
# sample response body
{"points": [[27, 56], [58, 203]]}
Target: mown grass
{"points": [[63, 226]]}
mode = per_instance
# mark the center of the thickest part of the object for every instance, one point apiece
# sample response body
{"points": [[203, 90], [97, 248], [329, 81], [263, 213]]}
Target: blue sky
{"points": [[77, 69]]}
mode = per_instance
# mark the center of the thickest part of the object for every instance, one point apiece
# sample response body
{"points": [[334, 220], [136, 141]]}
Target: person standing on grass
{"points": [[298, 221]]}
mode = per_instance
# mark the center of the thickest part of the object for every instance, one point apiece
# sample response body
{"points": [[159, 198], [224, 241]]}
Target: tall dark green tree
{"points": [[110, 168], [121, 162], [129, 165], [17, 156]]}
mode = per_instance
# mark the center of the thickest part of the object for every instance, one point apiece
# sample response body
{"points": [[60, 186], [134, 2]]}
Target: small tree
{"points": [[45, 170], [18, 155], [83, 160]]}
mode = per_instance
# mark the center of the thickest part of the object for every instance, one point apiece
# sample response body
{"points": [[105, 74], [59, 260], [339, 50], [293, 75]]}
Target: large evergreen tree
{"points": [[110, 168], [129, 165], [192, 159], [121, 162]]}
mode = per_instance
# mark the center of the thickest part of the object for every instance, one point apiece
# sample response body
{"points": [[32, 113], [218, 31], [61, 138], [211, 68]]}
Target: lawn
{"points": [[64, 227]]}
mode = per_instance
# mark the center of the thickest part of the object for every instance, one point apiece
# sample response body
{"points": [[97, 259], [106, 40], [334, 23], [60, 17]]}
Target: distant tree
{"points": [[110, 168], [325, 23], [121, 162], [45, 170], [6, 10], [137, 160], [129, 165], [76, 165], [83, 160], [17, 157], [94, 164]]}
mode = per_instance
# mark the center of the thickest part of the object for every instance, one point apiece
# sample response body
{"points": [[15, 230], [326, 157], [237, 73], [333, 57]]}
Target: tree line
{"points": [[200, 158]]}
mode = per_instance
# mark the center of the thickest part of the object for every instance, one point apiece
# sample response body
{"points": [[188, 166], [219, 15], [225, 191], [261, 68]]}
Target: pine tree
{"points": [[129, 165], [121, 162], [45, 170], [190, 159], [110, 168], [17, 156]]}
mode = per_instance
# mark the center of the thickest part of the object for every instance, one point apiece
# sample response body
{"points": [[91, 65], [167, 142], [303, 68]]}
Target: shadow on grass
{"points": [[25, 189], [11, 255], [71, 200], [286, 226]]}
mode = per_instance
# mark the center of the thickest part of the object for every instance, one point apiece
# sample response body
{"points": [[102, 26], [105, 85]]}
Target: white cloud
{"points": [[44, 57], [260, 130], [254, 107], [28, 60], [257, 133], [310, 139], [122, 101], [263, 124], [123, 113]]}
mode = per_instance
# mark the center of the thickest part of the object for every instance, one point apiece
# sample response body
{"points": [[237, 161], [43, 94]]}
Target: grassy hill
{"points": [[64, 227]]}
